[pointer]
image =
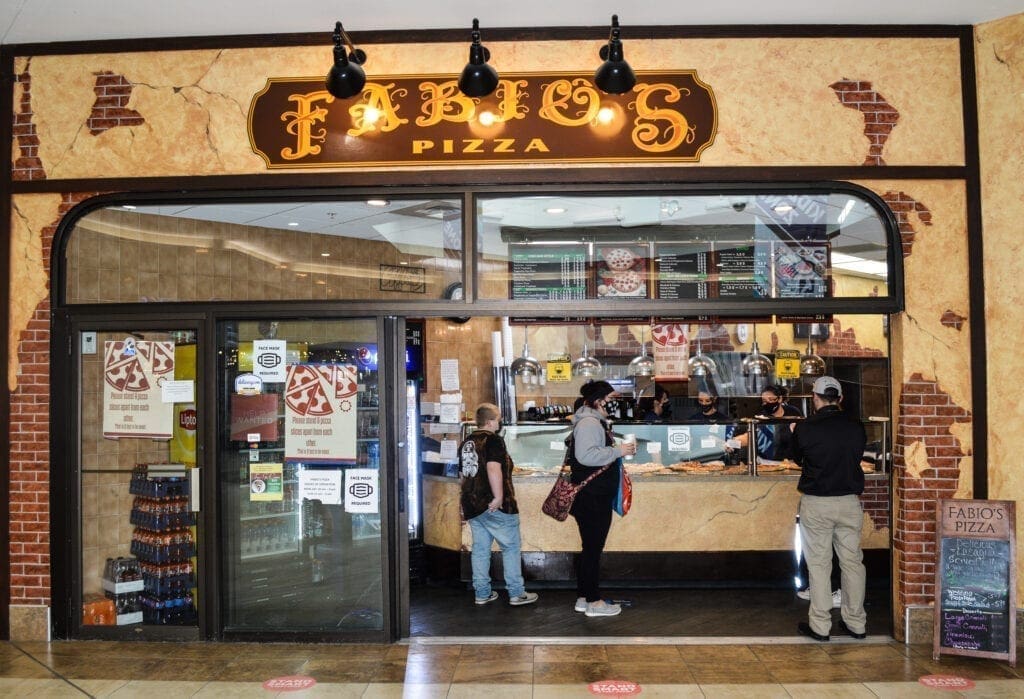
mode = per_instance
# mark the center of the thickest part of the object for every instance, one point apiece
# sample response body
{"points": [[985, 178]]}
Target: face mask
{"points": [[707, 408], [769, 408]]}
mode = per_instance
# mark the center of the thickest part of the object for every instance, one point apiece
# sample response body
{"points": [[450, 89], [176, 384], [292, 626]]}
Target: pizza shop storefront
{"points": [[251, 339]]}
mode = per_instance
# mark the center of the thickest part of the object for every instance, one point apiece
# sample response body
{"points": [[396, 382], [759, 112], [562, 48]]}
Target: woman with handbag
{"points": [[593, 447]]}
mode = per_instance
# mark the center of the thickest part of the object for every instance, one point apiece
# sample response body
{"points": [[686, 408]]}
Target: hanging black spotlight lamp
{"points": [[614, 76], [346, 77], [478, 78]]}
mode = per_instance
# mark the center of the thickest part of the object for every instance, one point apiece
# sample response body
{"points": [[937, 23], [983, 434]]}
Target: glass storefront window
{"points": [[139, 533], [260, 251], [299, 473], [683, 247]]}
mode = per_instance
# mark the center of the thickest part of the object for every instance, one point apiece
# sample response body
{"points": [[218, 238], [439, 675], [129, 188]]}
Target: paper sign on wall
{"points": [[320, 412], [362, 494], [133, 373], [449, 374], [671, 350], [320, 484]]}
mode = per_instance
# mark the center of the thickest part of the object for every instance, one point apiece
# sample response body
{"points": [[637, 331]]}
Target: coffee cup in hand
{"points": [[629, 440]]}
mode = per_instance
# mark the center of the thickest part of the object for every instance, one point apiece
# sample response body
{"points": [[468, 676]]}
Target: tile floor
{"points": [[534, 669]]}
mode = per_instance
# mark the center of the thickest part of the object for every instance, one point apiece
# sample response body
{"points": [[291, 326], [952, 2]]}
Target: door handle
{"points": [[193, 489]]}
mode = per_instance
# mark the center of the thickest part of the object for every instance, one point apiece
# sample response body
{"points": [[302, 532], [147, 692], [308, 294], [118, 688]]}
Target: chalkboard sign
{"points": [[975, 579]]}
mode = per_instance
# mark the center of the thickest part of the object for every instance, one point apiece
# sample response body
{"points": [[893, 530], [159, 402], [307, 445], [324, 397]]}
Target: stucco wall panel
{"points": [[780, 111], [1000, 68]]}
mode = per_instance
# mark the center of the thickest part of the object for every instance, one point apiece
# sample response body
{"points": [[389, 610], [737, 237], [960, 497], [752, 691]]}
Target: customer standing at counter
{"points": [[829, 446], [592, 446], [489, 506]]}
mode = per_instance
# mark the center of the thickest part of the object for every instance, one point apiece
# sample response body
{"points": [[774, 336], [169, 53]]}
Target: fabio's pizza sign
{"points": [[531, 117]]}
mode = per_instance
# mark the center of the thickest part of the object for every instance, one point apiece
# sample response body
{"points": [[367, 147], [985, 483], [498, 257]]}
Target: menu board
{"points": [[800, 270], [742, 271], [682, 271], [548, 272], [621, 271], [975, 579]]}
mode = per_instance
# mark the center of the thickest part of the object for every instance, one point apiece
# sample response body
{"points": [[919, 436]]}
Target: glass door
{"points": [[138, 480], [299, 478]]}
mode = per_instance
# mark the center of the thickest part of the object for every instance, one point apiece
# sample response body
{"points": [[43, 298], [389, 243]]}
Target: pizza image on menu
{"points": [[621, 271]]}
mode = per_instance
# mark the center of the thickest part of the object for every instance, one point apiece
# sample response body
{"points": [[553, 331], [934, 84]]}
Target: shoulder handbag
{"points": [[624, 498], [559, 501]]}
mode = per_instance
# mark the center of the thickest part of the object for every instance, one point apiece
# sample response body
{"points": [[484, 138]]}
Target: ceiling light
{"points": [[377, 202], [130, 207], [555, 210], [293, 224], [346, 77], [478, 78], [586, 365], [325, 254], [614, 76], [782, 208]]}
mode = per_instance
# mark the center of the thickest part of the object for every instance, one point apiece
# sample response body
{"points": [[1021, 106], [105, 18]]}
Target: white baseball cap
{"points": [[823, 383]]}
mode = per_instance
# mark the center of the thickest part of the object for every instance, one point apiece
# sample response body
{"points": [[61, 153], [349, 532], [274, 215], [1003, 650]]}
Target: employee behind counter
{"points": [[773, 440]]}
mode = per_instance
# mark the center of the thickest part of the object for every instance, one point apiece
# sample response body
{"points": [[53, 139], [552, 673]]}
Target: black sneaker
{"points": [[850, 632], [805, 629]]}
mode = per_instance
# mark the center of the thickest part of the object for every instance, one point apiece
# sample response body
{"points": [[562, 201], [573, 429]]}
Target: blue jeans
{"points": [[503, 528]]}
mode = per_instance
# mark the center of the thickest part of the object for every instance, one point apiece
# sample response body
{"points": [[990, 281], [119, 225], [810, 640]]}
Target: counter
{"points": [[689, 515]]}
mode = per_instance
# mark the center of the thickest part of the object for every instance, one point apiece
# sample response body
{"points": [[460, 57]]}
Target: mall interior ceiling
{"points": [[45, 21]]}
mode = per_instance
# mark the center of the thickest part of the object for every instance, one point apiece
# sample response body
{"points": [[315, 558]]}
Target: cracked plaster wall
{"points": [[999, 52], [775, 102]]}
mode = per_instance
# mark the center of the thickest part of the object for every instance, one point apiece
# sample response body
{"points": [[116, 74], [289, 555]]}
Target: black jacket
{"points": [[829, 446]]}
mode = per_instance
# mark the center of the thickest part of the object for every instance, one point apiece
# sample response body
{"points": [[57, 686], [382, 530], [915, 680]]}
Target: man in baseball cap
{"points": [[829, 445]]}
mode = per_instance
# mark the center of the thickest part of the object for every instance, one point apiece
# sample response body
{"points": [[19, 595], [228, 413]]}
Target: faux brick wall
{"points": [[902, 205], [26, 165], [843, 343], [111, 106], [30, 448], [880, 117], [875, 501], [926, 416]]}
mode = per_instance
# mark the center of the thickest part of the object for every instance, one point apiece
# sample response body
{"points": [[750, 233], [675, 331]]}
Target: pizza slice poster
{"points": [[671, 350], [133, 373], [320, 413]]}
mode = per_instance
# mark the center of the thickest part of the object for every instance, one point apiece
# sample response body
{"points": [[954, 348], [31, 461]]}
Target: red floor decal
{"points": [[950, 682], [614, 688], [289, 683]]}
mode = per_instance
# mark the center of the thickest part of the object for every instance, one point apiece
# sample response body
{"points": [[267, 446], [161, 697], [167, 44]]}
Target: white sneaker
{"points": [[488, 599], [525, 598], [602, 608], [804, 593], [581, 604], [837, 599]]}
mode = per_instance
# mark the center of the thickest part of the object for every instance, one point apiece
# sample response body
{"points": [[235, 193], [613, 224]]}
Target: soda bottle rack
{"points": [[156, 486], [122, 582], [162, 513]]}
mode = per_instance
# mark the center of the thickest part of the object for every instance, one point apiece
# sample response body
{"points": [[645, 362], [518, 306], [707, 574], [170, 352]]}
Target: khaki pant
{"points": [[826, 523]]}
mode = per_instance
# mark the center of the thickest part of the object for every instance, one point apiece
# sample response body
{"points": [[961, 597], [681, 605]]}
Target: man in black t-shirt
{"points": [[489, 506], [829, 446]]}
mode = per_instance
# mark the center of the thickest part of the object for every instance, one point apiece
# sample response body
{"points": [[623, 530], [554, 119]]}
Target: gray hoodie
{"points": [[590, 439]]}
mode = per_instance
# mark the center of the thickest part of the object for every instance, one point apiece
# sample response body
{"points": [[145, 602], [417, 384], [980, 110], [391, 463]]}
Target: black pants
{"points": [[593, 513]]}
